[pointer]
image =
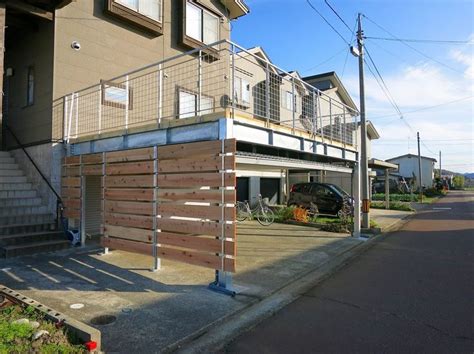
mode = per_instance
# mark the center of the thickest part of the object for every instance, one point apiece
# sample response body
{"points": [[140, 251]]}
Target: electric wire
{"points": [[411, 47], [435, 41], [339, 17], [327, 22]]}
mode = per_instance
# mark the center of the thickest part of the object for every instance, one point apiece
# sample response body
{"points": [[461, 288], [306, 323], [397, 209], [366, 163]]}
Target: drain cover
{"points": [[103, 320]]}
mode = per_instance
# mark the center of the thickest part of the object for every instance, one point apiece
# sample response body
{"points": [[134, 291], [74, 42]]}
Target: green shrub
{"points": [[433, 192], [394, 197], [284, 214], [403, 206]]}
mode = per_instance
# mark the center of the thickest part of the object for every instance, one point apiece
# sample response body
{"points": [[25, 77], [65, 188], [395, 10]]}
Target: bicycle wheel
{"points": [[265, 216], [241, 211]]}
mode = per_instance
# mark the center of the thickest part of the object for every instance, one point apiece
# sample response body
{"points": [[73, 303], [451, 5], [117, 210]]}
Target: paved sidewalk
{"points": [[387, 219], [155, 310]]}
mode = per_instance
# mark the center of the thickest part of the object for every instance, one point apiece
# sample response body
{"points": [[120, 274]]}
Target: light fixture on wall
{"points": [[76, 45]]}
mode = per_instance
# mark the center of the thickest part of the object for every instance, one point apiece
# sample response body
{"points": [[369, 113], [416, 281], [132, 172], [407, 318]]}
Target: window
{"points": [[201, 25], [288, 100], [115, 95], [241, 91], [188, 104], [30, 86], [144, 13]]}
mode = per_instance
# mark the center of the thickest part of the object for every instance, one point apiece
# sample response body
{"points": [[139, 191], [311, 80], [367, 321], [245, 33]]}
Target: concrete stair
{"points": [[26, 227]]}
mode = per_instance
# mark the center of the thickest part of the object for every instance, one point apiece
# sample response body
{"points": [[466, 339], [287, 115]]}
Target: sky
{"points": [[428, 74]]}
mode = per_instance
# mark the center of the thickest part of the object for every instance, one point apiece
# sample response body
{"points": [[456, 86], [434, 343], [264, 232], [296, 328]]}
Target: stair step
{"points": [[44, 218], [23, 210], [18, 194], [8, 165], [11, 186], [31, 237], [14, 202], [6, 160], [5, 154], [10, 173], [26, 228], [34, 247], [12, 179]]}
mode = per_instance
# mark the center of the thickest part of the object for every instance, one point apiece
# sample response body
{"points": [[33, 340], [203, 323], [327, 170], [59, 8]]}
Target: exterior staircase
{"points": [[26, 226]]}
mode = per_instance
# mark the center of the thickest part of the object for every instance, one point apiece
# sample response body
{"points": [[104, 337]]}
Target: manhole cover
{"points": [[103, 320], [76, 306]]}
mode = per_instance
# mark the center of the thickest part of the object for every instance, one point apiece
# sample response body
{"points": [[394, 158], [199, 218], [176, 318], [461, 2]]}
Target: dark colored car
{"points": [[326, 196]]}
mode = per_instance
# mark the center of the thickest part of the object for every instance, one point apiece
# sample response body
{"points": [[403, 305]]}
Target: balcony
{"points": [[222, 80]]}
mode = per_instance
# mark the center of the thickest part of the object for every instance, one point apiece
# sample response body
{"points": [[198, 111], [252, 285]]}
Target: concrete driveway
{"points": [[154, 310]]}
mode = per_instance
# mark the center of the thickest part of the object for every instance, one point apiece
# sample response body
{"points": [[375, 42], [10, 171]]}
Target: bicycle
{"points": [[261, 212]]}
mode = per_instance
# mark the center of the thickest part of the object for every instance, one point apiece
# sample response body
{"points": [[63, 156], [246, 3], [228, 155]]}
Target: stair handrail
{"points": [[59, 201]]}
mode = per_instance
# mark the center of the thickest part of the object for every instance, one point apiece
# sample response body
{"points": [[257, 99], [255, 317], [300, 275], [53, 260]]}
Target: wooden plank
{"points": [[197, 164], [211, 245], [70, 171], [136, 208], [196, 211], [92, 170], [129, 181], [71, 181], [196, 227], [72, 203], [129, 194], [196, 258], [129, 155], [126, 245], [70, 192], [138, 221], [92, 158], [129, 233], [195, 149], [196, 180], [200, 195], [72, 160], [72, 213], [130, 168]]}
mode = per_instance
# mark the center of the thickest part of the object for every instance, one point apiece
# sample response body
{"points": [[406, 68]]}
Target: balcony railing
{"points": [[205, 83]]}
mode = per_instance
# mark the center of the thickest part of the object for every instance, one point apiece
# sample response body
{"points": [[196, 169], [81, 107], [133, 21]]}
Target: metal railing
{"points": [[218, 78]]}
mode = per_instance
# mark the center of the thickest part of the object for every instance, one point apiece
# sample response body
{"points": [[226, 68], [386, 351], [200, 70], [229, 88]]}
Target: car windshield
{"points": [[339, 190]]}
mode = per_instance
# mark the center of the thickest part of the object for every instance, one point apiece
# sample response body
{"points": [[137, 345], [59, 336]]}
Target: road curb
{"points": [[215, 336]]}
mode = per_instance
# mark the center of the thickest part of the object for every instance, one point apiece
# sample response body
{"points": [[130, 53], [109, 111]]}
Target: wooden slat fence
{"points": [[173, 202]]}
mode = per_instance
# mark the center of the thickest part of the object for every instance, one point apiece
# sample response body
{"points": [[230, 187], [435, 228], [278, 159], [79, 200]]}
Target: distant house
{"points": [[408, 167]]}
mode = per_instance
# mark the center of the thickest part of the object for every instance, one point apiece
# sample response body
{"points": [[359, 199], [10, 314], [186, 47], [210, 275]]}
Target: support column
{"points": [[2, 55], [357, 201], [387, 189]]}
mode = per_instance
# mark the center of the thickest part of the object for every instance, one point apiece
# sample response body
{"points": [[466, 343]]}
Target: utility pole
{"points": [[440, 166], [420, 184], [364, 167]]}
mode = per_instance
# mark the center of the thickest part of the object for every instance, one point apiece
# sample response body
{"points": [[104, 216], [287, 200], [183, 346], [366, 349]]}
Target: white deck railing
{"points": [[222, 77]]}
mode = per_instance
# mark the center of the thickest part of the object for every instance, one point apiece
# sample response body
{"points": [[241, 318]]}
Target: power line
{"points": [[327, 22], [325, 61], [339, 17], [413, 48], [438, 41], [425, 108]]}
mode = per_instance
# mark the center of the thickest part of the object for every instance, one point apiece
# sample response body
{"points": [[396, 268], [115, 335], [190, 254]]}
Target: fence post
{"points": [[156, 260], [65, 120], [344, 127], [127, 99], [315, 114], [77, 115], [160, 93], [331, 126], [294, 103], [100, 108], [267, 93], [232, 84], [199, 83]]}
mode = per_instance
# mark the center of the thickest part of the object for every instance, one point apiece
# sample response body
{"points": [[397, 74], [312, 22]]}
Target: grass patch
{"points": [[17, 337], [402, 206]]}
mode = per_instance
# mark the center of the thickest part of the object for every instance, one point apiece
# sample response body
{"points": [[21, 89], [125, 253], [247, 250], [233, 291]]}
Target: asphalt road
{"points": [[412, 292]]}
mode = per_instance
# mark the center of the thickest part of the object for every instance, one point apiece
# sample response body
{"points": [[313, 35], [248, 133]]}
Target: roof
{"points": [[332, 76], [237, 8], [410, 156], [375, 163]]}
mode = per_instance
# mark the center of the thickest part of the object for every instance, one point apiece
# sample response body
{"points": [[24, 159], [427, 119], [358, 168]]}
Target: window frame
{"points": [[179, 90], [133, 17], [191, 41], [105, 102], [239, 100], [30, 96]]}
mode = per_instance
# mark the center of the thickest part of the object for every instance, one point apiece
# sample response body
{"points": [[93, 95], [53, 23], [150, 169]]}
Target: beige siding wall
{"points": [[110, 47], [31, 48]]}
